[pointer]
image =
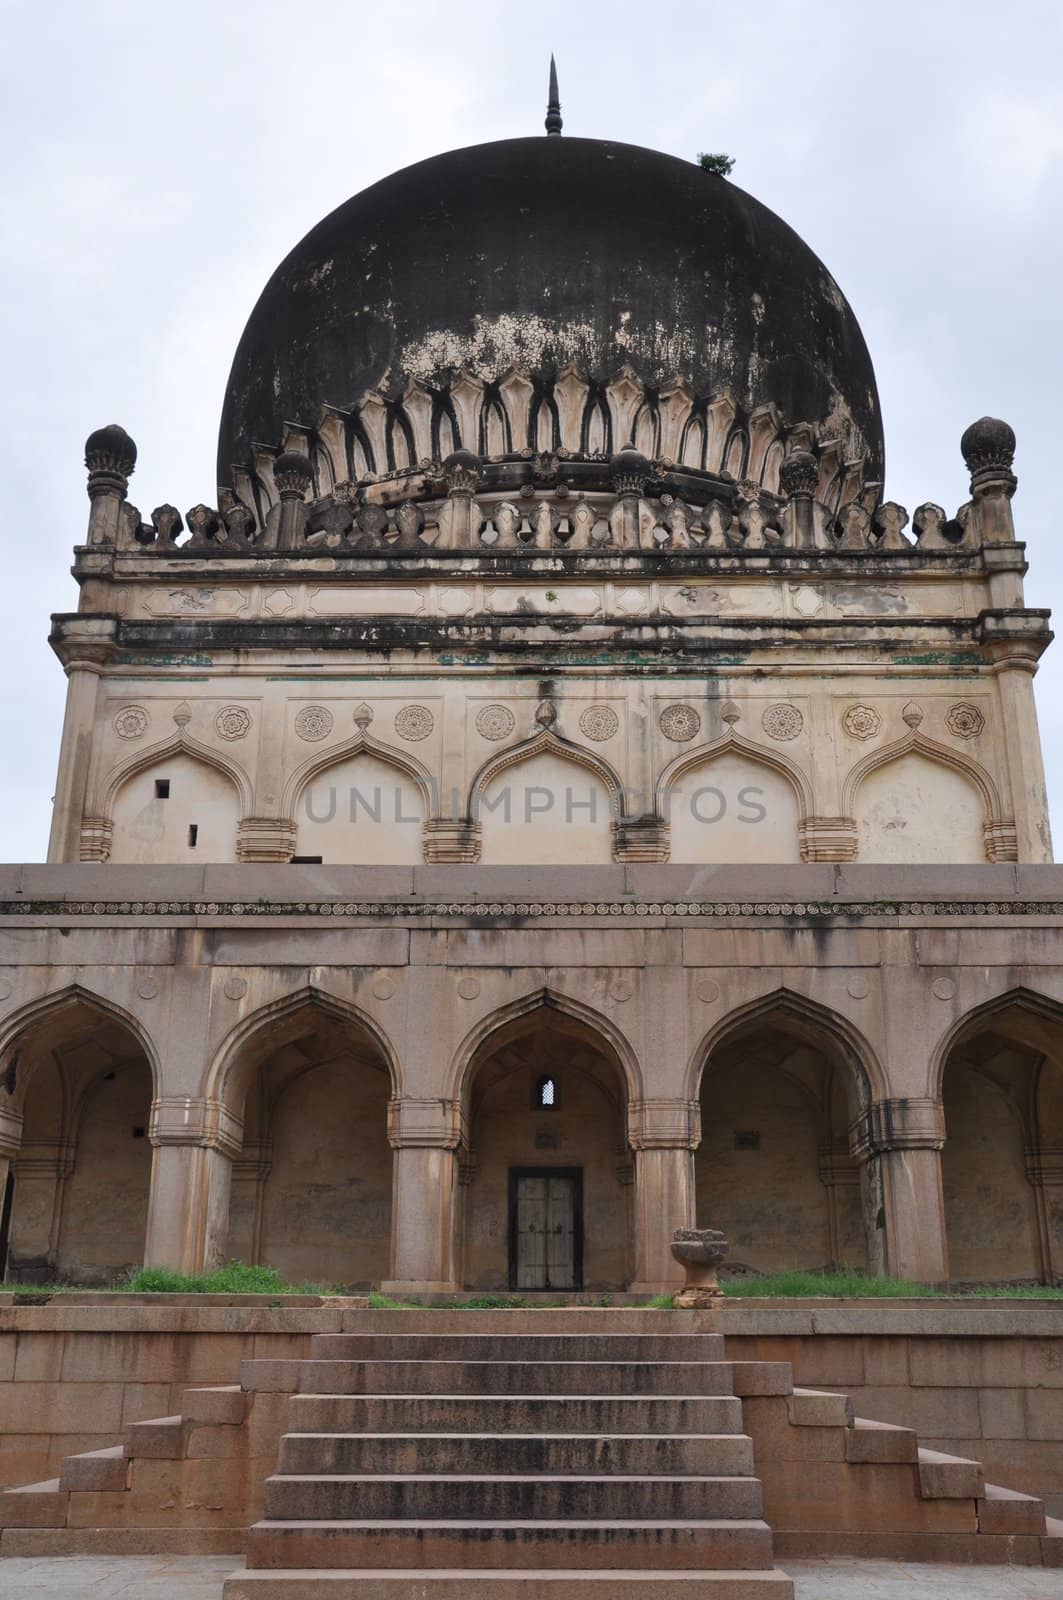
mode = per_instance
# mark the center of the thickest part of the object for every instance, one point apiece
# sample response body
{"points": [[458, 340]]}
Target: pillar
{"points": [[1044, 1171], [664, 1135], [194, 1146], [899, 1143], [424, 1136], [74, 754]]}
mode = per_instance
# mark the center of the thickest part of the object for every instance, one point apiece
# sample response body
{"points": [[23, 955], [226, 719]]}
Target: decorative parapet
{"points": [[696, 477]]}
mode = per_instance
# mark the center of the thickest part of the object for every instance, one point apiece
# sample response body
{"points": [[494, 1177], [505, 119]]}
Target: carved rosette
{"points": [[964, 720], [680, 723], [495, 722], [599, 723], [861, 722], [414, 722], [233, 722], [314, 723], [782, 721], [131, 722]]}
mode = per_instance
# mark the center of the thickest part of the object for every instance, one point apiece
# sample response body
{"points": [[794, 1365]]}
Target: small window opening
{"points": [[193, 835], [748, 1139], [546, 1094], [109, 1077], [307, 861], [140, 1133], [162, 788]]}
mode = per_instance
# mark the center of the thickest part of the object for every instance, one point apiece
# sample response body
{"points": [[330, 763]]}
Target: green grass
{"points": [[849, 1284], [236, 1278]]}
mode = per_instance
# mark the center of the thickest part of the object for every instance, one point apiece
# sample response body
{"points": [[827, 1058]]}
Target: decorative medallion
{"points": [[782, 721], [495, 722], [147, 988], [943, 988], [469, 988], [729, 713], [383, 989], [313, 723], [235, 988], [858, 988], [363, 716], [862, 722], [7, 988], [233, 722], [183, 714], [414, 722], [964, 720], [131, 722], [912, 715], [599, 722], [707, 991], [680, 723]]}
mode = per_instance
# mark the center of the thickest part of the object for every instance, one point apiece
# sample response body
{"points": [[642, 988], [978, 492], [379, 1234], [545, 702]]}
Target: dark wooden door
{"points": [[546, 1228]]}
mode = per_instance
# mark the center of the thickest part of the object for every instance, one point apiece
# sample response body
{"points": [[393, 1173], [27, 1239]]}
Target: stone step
{"points": [[533, 1319], [698, 1545], [1007, 1511], [495, 1584], [516, 1347], [490, 1377], [943, 1477], [34, 1505], [707, 1454], [431, 1497], [95, 1471], [537, 1414]]}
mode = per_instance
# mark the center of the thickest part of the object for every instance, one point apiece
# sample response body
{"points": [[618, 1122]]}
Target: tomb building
{"points": [[548, 794]]}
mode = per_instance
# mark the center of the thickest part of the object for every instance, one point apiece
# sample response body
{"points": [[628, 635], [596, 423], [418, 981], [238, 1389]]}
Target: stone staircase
{"points": [[502, 1465]]}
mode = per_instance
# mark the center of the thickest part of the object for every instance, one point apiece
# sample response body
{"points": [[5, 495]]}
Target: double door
{"points": [[546, 1228]]}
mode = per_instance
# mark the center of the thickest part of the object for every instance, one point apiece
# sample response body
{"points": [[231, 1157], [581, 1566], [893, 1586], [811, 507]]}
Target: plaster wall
{"points": [[194, 820]]}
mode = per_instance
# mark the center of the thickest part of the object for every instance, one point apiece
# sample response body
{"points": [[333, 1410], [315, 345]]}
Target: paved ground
{"points": [[200, 1578]]}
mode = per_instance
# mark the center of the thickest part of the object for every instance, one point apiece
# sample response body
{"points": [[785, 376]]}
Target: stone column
{"points": [[1044, 1171], [195, 1143], [83, 675], [899, 1143], [424, 1136], [664, 1135], [10, 1139]]}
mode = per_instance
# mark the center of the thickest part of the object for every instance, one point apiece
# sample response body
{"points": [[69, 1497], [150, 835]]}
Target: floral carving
{"points": [[680, 723], [599, 722], [313, 723], [495, 722], [414, 722], [964, 720], [862, 722], [233, 722], [131, 721], [782, 721]]}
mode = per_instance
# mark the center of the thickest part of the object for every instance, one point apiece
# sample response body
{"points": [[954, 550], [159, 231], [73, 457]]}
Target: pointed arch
{"points": [[542, 743], [179, 743], [1041, 1014], [810, 1019], [732, 743], [233, 1058], [919, 743], [17, 1024], [477, 1043], [360, 744]]}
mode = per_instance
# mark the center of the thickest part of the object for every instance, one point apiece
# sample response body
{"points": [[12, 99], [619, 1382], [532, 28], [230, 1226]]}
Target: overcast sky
{"points": [[161, 158]]}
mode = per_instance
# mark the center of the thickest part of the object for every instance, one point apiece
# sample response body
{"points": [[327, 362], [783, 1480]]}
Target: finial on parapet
{"points": [[553, 105], [110, 456], [988, 447]]}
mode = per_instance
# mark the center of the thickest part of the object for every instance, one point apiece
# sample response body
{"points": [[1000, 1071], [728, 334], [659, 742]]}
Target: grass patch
{"points": [[236, 1278], [852, 1285]]}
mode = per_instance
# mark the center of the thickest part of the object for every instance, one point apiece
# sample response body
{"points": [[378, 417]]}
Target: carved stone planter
{"points": [[700, 1251]]}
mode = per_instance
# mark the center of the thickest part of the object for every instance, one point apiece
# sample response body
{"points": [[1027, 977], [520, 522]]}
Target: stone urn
{"points": [[700, 1250]]}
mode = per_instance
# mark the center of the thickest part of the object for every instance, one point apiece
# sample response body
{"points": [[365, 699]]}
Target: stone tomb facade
{"points": [[550, 796]]}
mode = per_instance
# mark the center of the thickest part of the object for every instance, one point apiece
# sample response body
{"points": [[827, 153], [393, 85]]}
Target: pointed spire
{"points": [[553, 108]]}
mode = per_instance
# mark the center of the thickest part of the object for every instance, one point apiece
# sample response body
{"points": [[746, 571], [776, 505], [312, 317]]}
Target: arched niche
{"points": [[311, 1185], [547, 808], [915, 808], [547, 1177], [176, 808], [363, 809], [780, 1095], [732, 806], [82, 1174], [1002, 1094]]}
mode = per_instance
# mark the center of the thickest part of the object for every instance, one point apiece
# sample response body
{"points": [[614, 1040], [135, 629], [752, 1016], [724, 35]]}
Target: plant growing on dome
{"points": [[722, 165]]}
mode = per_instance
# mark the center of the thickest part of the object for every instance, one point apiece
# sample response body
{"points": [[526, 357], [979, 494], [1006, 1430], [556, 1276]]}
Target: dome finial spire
{"points": [[553, 107]]}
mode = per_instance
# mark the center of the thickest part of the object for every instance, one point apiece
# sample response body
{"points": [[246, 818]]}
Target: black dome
{"points": [[538, 253]]}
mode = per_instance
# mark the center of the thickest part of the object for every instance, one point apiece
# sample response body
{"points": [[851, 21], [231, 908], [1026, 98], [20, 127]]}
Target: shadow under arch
{"points": [[52, 1008], [809, 1021], [1036, 1021], [179, 743], [514, 1018], [259, 1035]]}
